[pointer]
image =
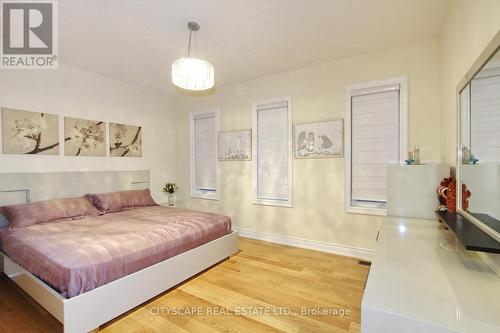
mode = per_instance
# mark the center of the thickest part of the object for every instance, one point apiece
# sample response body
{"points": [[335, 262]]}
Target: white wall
{"points": [[71, 92], [318, 93]]}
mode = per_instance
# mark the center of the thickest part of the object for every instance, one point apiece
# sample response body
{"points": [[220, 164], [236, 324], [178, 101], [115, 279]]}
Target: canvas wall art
{"points": [[125, 140], [26, 132], [322, 139], [84, 137], [235, 146]]}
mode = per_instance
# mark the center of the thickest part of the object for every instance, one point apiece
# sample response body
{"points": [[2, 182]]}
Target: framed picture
{"points": [[321, 139], [26, 132], [235, 146], [84, 137], [125, 140]]}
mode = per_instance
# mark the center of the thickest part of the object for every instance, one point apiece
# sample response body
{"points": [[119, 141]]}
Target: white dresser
{"points": [[421, 281]]}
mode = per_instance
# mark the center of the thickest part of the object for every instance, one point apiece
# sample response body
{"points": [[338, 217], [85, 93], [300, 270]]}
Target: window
{"points": [[376, 127], [204, 164], [272, 128], [485, 116]]}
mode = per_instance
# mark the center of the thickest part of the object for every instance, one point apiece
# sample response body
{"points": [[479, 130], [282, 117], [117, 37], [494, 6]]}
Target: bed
{"points": [[88, 271]]}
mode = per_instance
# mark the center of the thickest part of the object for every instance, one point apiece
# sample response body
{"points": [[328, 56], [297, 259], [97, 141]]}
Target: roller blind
{"points": [[273, 154], [204, 162], [375, 137], [485, 119]]}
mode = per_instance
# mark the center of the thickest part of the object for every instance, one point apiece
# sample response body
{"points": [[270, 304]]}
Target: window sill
{"points": [[366, 211], [273, 203], [206, 197]]}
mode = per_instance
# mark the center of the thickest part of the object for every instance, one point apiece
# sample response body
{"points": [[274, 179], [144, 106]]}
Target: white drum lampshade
{"points": [[193, 74]]}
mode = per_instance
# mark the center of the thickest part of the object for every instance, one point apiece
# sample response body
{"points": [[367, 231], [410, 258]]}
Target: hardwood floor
{"points": [[264, 288]]}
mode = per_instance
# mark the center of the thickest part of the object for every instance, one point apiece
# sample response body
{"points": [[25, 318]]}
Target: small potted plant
{"points": [[170, 189]]}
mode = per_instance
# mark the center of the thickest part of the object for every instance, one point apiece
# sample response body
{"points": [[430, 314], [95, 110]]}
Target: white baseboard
{"points": [[342, 250]]}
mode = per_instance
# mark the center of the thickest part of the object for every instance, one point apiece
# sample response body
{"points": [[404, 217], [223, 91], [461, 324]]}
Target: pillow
{"points": [[3, 221], [117, 201], [20, 216]]}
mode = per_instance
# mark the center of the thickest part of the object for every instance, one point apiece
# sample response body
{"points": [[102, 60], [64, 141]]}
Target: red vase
{"points": [[448, 193]]}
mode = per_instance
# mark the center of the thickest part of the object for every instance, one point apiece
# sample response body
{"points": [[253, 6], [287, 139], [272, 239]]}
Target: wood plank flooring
{"points": [[264, 288]]}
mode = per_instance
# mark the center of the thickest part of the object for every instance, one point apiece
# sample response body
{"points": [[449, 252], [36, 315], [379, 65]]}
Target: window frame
{"points": [[196, 193], [403, 137], [255, 135]]}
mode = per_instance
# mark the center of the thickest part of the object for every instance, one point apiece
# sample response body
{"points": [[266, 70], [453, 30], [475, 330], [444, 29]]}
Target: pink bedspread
{"points": [[77, 256]]}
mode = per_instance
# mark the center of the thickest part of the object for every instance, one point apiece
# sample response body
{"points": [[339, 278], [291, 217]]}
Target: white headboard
{"points": [[18, 188]]}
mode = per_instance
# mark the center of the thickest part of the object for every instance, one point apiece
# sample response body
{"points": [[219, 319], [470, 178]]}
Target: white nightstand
{"points": [[177, 204]]}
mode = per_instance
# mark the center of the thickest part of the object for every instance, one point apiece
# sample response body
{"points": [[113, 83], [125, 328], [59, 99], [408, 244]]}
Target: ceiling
{"points": [[136, 41]]}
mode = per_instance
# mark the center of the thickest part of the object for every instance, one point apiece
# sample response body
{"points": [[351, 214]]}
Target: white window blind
{"points": [[375, 139], [273, 166], [485, 119], [204, 154]]}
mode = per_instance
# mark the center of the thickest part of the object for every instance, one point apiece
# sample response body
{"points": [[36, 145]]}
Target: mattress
{"points": [[76, 256]]}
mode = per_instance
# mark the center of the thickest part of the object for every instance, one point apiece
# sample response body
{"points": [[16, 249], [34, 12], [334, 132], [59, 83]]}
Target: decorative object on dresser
{"points": [[447, 194], [26, 132], [416, 154], [321, 139], [413, 156], [410, 160], [468, 157], [170, 189], [125, 140], [235, 146], [84, 137]]}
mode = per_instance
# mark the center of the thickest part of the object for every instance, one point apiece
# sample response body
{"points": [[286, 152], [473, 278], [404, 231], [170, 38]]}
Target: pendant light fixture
{"points": [[192, 73]]}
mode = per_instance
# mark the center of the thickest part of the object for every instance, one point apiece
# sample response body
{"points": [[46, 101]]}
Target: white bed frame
{"points": [[86, 312]]}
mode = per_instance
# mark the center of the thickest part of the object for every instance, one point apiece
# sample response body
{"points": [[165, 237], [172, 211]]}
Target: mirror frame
{"points": [[488, 53]]}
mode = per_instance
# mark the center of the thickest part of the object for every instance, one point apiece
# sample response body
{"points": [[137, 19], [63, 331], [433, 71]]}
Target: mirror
{"points": [[479, 146]]}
